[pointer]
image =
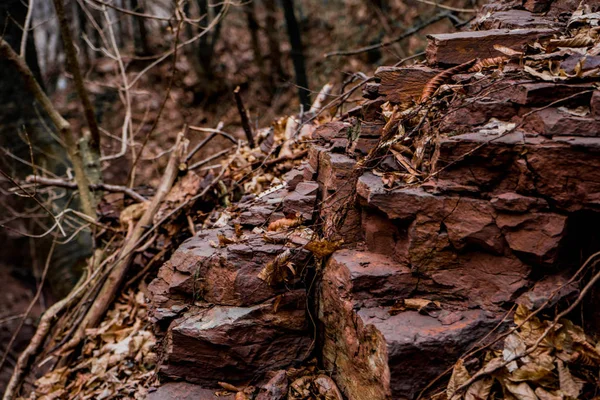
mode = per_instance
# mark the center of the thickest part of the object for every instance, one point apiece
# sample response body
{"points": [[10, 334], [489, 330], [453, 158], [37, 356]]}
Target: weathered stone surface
{"points": [[548, 292], [419, 346], [460, 47], [301, 201], [374, 354], [564, 171], [331, 130], [336, 177], [202, 270], [537, 6], [234, 344], [513, 202], [556, 122], [516, 19], [464, 118], [184, 391], [525, 92], [403, 84], [534, 235]]}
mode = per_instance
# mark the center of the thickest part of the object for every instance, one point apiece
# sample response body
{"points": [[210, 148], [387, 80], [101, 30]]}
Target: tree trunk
{"points": [[297, 53], [140, 33], [277, 73], [253, 28]]}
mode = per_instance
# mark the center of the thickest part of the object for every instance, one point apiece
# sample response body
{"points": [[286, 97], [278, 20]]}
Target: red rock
{"points": [[537, 6], [555, 122], [235, 344], [565, 170], [184, 391], [331, 130], [201, 270], [301, 201], [374, 355], [460, 47], [336, 176], [514, 202], [534, 235], [403, 84], [371, 90], [516, 19], [467, 221], [462, 119], [548, 292], [539, 93]]}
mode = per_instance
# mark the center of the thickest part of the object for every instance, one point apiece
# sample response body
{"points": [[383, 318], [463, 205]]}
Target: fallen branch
{"points": [[72, 185], [113, 282]]}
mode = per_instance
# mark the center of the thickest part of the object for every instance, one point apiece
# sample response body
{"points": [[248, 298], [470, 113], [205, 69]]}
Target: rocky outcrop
{"points": [[426, 270], [221, 321]]}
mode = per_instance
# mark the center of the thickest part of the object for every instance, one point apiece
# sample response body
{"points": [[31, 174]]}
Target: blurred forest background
{"points": [[150, 68]]}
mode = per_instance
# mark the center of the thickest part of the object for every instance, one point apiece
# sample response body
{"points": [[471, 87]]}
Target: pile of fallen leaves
{"points": [[117, 361], [540, 359]]}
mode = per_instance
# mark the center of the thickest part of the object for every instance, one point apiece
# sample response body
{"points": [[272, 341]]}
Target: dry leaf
{"points": [[480, 389], [274, 272], [322, 248], [460, 375], [284, 223], [507, 51], [230, 387], [568, 384], [521, 391]]}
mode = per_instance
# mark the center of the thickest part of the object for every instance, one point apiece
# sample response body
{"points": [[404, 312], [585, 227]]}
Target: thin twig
{"points": [[450, 8], [72, 185], [244, 117], [211, 158], [26, 29], [161, 109], [404, 35]]}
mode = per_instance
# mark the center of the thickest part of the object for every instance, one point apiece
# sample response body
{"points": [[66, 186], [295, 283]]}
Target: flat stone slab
{"points": [[185, 391]]}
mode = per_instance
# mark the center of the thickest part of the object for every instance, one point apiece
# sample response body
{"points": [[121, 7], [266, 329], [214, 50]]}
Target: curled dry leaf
{"points": [[229, 386], [284, 223], [275, 271]]}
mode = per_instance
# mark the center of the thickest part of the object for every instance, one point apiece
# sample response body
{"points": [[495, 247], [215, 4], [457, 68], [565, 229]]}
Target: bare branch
{"points": [[72, 185], [404, 35], [87, 202]]}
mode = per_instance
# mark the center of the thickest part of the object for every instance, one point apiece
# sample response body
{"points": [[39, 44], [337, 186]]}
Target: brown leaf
{"points": [[274, 272], [568, 384], [480, 389], [284, 223], [322, 248], [229, 386], [459, 376]]}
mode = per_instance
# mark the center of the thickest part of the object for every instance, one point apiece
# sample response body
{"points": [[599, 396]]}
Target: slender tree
{"points": [[297, 52]]}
